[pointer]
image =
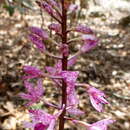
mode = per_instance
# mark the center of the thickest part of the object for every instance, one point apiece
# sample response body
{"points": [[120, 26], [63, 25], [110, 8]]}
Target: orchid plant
{"points": [[64, 79]]}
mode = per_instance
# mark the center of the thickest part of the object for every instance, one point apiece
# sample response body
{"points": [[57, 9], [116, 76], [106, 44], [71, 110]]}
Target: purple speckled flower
{"points": [[97, 98], [33, 94]]}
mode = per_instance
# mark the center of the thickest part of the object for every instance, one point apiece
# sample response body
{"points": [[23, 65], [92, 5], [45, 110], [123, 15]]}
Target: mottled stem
{"points": [[64, 65]]}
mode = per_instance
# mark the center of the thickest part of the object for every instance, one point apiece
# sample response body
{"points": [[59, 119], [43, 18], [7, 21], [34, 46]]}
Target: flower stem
{"points": [[64, 65]]}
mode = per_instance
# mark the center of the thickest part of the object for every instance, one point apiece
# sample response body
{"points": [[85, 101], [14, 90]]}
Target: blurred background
{"points": [[107, 67]]}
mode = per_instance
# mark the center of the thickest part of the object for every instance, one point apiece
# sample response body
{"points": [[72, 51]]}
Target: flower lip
{"points": [[97, 98], [40, 126]]}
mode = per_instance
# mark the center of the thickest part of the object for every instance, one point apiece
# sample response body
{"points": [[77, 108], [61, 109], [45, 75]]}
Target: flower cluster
{"points": [[64, 79]]}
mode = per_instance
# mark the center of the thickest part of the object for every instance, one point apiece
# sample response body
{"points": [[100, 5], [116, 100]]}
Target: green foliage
{"points": [[37, 106], [10, 9], [20, 5]]}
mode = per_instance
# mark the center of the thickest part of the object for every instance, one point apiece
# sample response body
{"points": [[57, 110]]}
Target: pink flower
{"points": [[32, 72], [33, 94], [97, 98], [83, 29], [101, 125]]}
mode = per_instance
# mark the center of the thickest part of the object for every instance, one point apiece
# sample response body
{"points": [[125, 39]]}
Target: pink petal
{"points": [[40, 126], [51, 70], [97, 98], [29, 86], [25, 96], [101, 125], [75, 111], [88, 46], [89, 37], [42, 116], [97, 105], [29, 77], [39, 32], [72, 61], [84, 29], [38, 42], [70, 76], [72, 99], [28, 124], [31, 70], [72, 8], [64, 49], [53, 3], [39, 88], [92, 90], [52, 125]]}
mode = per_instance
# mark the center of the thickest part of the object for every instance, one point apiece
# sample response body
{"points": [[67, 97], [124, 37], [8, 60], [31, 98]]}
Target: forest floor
{"points": [[106, 67]]}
